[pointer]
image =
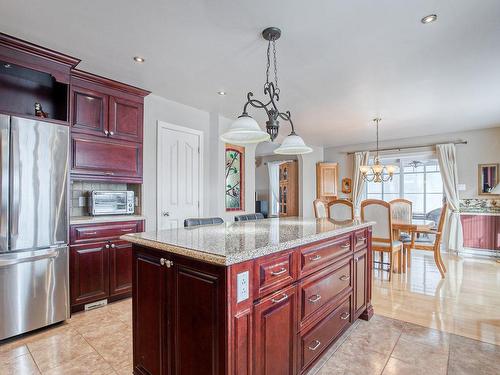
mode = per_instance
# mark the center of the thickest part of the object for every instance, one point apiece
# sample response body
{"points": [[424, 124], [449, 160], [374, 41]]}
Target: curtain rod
{"points": [[407, 147]]}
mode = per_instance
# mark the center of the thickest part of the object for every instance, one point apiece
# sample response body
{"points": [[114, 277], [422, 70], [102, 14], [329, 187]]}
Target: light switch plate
{"points": [[82, 201], [242, 288]]}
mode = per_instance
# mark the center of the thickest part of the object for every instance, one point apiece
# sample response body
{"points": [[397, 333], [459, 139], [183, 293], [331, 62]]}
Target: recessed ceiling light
{"points": [[221, 93], [428, 19], [139, 59]]}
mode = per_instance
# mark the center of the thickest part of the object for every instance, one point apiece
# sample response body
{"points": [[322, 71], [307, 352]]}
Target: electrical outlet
{"points": [[242, 289]]}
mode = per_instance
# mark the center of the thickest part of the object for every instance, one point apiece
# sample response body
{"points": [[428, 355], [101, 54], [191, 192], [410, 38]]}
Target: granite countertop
{"points": [[235, 242], [103, 219], [482, 213]]}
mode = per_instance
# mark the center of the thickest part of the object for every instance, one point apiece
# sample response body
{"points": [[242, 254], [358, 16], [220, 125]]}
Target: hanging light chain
{"points": [[275, 66], [268, 66]]}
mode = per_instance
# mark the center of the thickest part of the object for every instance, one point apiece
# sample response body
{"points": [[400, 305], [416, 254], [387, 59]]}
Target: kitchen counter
{"points": [[75, 220], [264, 297], [235, 242]]}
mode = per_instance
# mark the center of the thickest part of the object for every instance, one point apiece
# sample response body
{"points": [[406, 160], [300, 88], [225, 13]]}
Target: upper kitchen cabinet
{"points": [[107, 129], [106, 108], [31, 74], [326, 181]]}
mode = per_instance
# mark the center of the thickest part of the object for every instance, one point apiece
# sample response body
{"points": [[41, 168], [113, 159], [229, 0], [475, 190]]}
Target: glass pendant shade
{"points": [[293, 145], [244, 130]]}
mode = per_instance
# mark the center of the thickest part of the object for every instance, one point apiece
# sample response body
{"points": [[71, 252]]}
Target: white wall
{"points": [[307, 181], [483, 147], [157, 108]]}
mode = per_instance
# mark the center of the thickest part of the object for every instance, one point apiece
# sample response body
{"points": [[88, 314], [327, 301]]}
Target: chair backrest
{"points": [[440, 227], [401, 210], [379, 211], [319, 208], [249, 217], [341, 209], [196, 221]]}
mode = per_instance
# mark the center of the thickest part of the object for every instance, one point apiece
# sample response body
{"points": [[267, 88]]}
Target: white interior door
{"points": [[179, 175]]}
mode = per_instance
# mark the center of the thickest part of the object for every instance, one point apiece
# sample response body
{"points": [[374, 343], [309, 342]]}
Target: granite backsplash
{"points": [[480, 205]]}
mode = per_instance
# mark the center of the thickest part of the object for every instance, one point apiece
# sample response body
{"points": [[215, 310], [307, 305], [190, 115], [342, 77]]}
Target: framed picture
{"points": [[235, 178], [346, 185]]}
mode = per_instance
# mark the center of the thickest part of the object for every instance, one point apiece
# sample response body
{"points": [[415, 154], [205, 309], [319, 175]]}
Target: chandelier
{"points": [[246, 130], [377, 172]]}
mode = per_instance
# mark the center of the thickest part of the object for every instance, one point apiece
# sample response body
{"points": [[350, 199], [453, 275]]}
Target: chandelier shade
{"points": [[377, 172], [245, 130], [293, 145]]}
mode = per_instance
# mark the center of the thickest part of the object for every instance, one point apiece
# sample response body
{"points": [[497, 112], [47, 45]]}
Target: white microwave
{"points": [[111, 202]]}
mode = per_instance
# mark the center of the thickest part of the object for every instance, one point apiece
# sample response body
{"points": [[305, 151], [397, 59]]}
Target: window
{"points": [[417, 181]]}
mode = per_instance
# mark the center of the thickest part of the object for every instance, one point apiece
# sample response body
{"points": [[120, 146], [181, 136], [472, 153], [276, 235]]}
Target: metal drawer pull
{"points": [[345, 246], [345, 277], [345, 316], [167, 263], [314, 298], [283, 298], [126, 230], [362, 239], [315, 346], [89, 233], [280, 272], [315, 258], [109, 173]]}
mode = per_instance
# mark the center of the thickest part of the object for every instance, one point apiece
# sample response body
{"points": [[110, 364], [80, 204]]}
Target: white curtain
{"points": [[453, 236], [274, 187], [358, 184]]}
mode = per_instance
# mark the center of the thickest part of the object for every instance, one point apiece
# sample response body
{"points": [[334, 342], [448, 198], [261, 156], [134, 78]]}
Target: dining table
{"points": [[410, 227]]}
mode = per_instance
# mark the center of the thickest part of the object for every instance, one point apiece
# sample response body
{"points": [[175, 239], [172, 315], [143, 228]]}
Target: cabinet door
{"points": [[150, 315], [89, 273], [275, 333], [104, 158], [360, 282], [125, 119], [326, 179], [89, 111], [120, 268]]}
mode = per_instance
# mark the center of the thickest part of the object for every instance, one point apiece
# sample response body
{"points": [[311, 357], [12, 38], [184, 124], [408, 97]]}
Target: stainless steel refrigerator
{"points": [[34, 276]]}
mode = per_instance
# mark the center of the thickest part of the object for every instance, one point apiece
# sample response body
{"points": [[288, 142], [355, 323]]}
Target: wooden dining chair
{"points": [[382, 235], [319, 209], [340, 210], [402, 210], [430, 242]]}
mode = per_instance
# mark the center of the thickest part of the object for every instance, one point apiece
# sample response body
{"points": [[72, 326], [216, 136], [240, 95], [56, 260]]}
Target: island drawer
{"points": [[314, 342], [320, 289], [274, 271], [318, 254], [97, 232], [360, 239]]}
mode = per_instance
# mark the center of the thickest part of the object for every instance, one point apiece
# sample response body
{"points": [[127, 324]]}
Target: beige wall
{"points": [[483, 147]]}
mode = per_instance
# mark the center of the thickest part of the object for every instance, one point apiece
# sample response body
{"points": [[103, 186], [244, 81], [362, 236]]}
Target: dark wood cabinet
{"points": [[89, 272], [273, 315], [125, 119], [480, 231], [120, 270], [360, 282], [107, 129], [90, 111], [275, 319], [99, 158], [100, 263]]}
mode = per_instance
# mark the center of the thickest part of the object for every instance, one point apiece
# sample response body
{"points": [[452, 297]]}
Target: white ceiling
{"points": [[341, 63]]}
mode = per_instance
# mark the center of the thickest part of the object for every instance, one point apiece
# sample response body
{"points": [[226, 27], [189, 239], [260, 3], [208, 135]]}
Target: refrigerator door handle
{"points": [[51, 253], [4, 181], [15, 182]]}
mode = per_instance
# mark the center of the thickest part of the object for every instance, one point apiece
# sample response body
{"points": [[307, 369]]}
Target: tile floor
{"points": [[466, 302]]}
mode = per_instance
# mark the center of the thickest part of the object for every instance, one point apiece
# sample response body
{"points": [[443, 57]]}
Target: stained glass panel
{"points": [[235, 156]]}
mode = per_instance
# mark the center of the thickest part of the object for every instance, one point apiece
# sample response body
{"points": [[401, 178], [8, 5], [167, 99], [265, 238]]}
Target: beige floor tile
{"points": [[124, 370], [437, 339], [418, 355], [91, 364], [57, 350], [7, 354], [397, 367], [20, 365], [116, 349]]}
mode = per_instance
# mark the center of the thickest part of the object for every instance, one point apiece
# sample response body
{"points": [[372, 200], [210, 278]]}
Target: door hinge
{"points": [[198, 149]]}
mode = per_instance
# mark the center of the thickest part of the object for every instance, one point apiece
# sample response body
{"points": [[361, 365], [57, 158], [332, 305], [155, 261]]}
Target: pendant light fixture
{"points": [[377, 172], [246, 130]]}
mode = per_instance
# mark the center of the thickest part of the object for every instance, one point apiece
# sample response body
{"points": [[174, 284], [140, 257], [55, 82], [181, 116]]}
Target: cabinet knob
{"points": [[111, 133], [106, 132], [107, 246], [113, 246], [165, 262]]}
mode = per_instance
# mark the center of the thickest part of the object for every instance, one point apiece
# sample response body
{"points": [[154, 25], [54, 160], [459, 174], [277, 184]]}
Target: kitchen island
{"points": [[264, 297]]}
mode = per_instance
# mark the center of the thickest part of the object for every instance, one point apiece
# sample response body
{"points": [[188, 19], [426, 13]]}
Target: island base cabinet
{"points": [[275, 324]]}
